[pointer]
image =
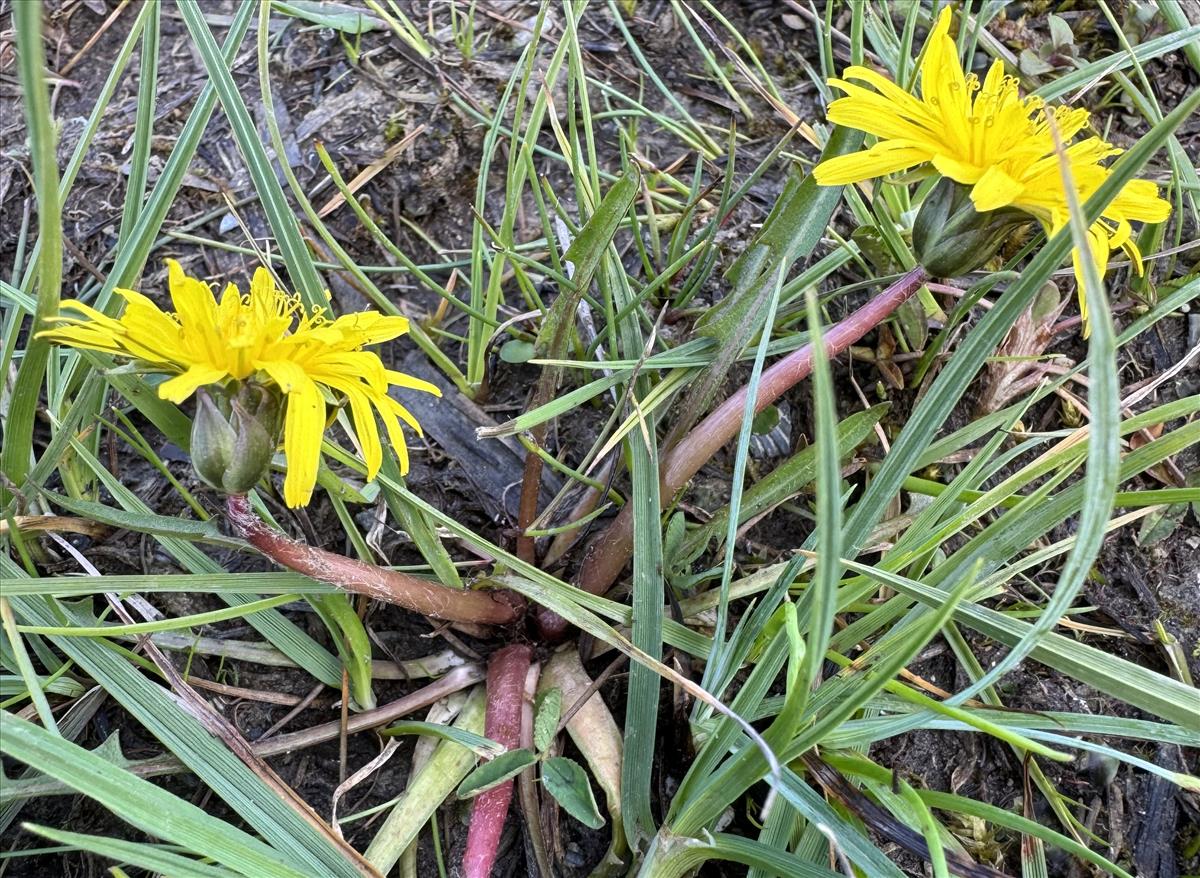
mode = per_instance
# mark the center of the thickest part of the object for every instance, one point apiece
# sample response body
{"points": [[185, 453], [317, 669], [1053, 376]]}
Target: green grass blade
{"points": [[717, 663], [139, 802], [641, 715], [1154, 693], [279, 213], [822, 605], [282, 582], [146, 856], [16, 456], [143, 126], [290, 834]]}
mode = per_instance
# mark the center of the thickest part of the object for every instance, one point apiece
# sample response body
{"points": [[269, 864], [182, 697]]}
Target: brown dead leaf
{"points": [[1018, 365]]}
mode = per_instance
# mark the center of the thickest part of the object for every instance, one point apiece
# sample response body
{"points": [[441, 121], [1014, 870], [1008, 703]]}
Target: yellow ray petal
{"points": [[180, 387], [995, 189], [956, 169], [400, 379], [883, 158], [303, 430]]}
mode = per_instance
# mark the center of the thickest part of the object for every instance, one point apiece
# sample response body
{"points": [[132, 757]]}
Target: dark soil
{"points": [[357, 111]]}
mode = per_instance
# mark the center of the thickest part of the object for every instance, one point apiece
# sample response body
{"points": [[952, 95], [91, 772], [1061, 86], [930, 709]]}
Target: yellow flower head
{"points": [[267, 336], [1138, 201], [985, 137]]}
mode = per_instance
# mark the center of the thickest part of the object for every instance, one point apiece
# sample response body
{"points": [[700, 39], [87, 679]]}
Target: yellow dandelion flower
{"points": [[984, 136], [266, 336], [1138, 201], [987, 138]]}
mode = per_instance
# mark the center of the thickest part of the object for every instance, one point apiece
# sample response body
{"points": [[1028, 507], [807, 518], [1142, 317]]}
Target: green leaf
{"points": [[792, 229], [139, 802], [478, 744], [568, 783], [545, 721], [492, 774], [147, 522], [1103, 452], [585, 252], [146, 856], [765, 421], [517, 350], [419, 528], [336, 16], [15, 457]]}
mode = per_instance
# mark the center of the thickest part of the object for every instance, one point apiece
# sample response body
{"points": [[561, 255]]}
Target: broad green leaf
{"points": [[568, 783], [517, 350], [491, 774], [545, 718]]}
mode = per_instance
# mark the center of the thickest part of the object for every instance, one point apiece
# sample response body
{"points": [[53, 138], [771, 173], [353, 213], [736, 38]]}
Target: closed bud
{"points": [[950, 237], [232, 445]]}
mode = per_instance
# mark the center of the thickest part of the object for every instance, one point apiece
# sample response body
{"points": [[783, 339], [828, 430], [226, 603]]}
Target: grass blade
{"points": [[279, 213], [16, 456], [139, 802]]}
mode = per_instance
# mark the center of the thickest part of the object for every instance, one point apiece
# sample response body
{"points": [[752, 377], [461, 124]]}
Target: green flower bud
{"points": [[950, 237], [232, 449]]}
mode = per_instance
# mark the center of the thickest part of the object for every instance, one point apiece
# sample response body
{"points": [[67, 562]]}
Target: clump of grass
{"points": [[600, 263]]}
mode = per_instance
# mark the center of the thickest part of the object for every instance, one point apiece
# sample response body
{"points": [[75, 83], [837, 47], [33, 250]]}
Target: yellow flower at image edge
{"points": [[987, 138], [265, 335]]}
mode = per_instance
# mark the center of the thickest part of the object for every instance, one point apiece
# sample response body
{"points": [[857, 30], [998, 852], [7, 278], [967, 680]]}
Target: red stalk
{"points": [[507, 669], [531, 484], [419, 595], [607, 555]]}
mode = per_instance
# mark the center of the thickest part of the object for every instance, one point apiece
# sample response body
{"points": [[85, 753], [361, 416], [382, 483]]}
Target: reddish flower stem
{"points": [[608, 554], [531, 484], [419, 595], [507, 670]]}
